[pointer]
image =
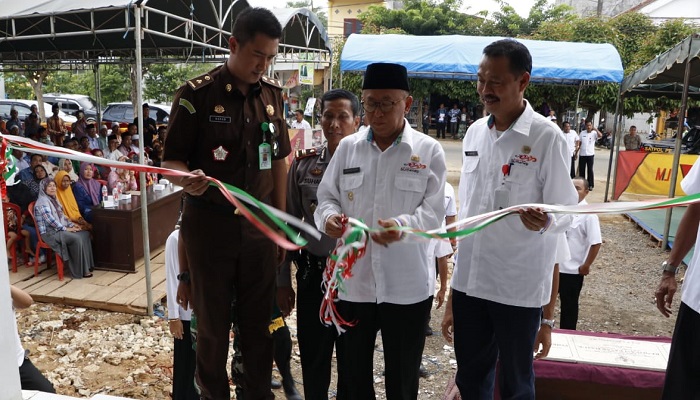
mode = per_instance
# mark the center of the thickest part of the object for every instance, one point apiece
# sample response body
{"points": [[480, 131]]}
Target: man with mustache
{"points": [[503, 275]]}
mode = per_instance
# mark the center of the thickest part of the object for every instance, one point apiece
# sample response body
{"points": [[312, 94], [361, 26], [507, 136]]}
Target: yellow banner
{"points": [[653, 175]]}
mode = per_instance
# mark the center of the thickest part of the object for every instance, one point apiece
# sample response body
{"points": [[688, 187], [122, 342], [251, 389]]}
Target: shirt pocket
{"points": [[410, 191], [350, 188], [469, 173], [523, 185]]}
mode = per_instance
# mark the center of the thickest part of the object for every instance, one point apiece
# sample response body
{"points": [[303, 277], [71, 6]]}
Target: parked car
{"points": [[23, 108], [72, 103], [123, 113]]}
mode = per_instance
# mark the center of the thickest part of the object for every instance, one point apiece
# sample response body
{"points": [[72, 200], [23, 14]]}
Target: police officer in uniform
{"points": [[340, 117], [229, 124]]}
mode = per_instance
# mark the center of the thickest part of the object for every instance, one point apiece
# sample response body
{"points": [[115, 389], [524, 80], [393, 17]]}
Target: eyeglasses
{"points": [[384, 105]]}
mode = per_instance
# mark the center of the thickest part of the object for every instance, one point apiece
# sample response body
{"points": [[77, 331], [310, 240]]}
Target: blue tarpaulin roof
{"points": [[458, 57]]}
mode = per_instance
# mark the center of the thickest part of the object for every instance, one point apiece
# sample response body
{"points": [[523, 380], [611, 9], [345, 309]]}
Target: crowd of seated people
{"points": [[76, 187]]}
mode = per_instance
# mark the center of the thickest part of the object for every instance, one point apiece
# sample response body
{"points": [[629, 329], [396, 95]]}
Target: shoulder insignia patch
{"points": [[200, 81], [304, 153], [272, 82]]}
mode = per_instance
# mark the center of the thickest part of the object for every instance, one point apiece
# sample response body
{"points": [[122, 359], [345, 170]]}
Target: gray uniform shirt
{"points": [[304, 176]]}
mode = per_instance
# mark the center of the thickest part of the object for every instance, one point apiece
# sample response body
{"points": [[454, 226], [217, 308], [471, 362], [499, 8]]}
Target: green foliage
{"points": [[17, 86], [420, 17], [665, 37], [161, 81], [507, 22], [630, 31]]}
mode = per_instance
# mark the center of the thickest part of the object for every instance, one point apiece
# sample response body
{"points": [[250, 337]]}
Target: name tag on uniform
{"points": [[348, 171], [471, 153], [220, 119]]}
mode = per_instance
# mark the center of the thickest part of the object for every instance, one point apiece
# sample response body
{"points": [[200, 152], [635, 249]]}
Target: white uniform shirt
{"points": [[406, 181], [172, 269], [506, 263], [691, 282], [587, 142], [300, 125], [583, 233], [571, 139]]}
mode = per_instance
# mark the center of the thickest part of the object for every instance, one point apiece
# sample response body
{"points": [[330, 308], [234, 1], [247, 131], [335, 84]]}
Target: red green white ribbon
{"points": [[234, 195]]}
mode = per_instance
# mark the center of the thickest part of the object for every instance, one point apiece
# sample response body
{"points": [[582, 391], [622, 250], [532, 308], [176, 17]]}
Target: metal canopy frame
{"points": [[60, 34]]}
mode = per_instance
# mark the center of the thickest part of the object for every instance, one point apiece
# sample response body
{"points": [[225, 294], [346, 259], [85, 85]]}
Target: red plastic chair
{"points": [[42, 245], [8, 209]]}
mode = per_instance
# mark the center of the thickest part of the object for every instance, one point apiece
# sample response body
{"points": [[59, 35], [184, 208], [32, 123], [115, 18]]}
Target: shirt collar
{"points": [[227, 79], [521, 125], [402, 138]]}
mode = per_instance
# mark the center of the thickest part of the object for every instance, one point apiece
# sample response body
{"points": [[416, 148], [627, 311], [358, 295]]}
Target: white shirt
{"points": [[300, 125], [172, 269], [587, 142], [583, 233], [691, 284], [506, 263], [450, 203], [407, 182], [571, 139]]}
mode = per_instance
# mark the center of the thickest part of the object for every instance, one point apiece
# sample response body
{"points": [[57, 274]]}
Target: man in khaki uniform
{"points": [[229, 124]]}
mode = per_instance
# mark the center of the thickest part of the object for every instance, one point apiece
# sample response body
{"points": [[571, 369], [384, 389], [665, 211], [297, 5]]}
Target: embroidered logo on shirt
{"points": [[219, 109], [415, 158], [316, 171], [524, 159], [220, 153], [414, 167], [527, 149]]}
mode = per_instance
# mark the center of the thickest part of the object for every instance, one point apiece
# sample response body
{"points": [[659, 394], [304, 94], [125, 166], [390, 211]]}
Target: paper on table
{"points": [[638, 354]]}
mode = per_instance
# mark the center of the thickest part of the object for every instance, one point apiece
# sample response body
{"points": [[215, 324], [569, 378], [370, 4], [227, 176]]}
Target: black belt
{"points": [[311, 261]]}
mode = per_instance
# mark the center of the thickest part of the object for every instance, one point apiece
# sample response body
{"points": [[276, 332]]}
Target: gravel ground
{"points": [[84, 352]]}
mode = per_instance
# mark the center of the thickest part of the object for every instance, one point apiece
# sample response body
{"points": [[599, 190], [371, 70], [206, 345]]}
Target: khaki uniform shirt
{"points": [[215, 128]]}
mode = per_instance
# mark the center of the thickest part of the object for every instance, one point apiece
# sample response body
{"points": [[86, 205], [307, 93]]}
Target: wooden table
{"points": [[117, 233]]}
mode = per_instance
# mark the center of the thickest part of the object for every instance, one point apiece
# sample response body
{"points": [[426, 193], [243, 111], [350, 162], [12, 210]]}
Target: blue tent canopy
{"points": [[458, 57]]}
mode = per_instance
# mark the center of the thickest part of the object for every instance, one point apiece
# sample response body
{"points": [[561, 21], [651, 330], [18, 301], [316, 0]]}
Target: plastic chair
{"points": [[42, 245], [14, 208]]}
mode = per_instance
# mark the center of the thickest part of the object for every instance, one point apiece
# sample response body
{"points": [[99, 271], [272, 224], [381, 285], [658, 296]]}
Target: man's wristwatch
{"points": [[184, 277], [548, 322], [666, 267]]}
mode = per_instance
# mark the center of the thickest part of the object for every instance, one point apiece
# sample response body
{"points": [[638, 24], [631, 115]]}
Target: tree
{"points": [[420, 17], [161, 81], [507, 22]]}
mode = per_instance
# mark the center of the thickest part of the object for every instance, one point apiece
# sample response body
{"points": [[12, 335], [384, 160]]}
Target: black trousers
{"points": [[225, 252], [32, 379], [684, 359], [403, 338], [316, 341], [440, 130], [585, 169], [569, 291], [183, 366], [573, 167], [426, 127]]}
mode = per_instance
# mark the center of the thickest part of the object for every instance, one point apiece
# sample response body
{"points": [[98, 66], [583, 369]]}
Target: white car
{"points": [[23, 108]]}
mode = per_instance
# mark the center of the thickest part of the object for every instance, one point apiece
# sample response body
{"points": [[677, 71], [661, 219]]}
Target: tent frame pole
{"points": [[142, 160], [677, 149], [615, 147]]}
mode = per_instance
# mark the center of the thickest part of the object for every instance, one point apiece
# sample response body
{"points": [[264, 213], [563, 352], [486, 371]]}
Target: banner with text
{"points": [[649, 173]]}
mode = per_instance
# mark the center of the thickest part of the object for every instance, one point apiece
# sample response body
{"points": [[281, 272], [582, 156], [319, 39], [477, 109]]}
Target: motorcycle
{"points": [[653, 135], [606, 138]]}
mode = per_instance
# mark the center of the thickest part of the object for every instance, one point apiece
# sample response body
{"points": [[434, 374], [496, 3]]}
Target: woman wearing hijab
{"points": [[38, 174], [67, 166], [100, 172], [64, 193], [67, 239], [87, 190]]}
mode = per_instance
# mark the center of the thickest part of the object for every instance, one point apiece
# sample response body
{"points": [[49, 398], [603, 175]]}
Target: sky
{"points": [[522, 7]]}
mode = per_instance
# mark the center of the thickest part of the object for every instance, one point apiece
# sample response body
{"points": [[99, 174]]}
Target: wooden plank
{"points": [[77, 289], [32, 282], [44, 291], [105, 278], [104, 294], [21, 274], [141, 301], [129, 294]]}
